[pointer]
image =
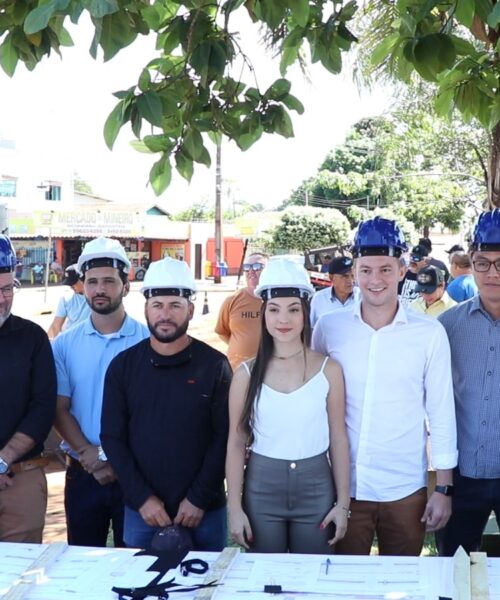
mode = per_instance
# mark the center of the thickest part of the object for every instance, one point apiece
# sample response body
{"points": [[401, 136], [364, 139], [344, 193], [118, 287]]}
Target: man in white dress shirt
{"points": [[342, 292], [398, 379]]}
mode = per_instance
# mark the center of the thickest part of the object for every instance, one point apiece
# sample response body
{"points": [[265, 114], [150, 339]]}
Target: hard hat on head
{"points": [[283, 277], [103, 252], [8, 259], [168, 277], [379, 237], [487, 231]]}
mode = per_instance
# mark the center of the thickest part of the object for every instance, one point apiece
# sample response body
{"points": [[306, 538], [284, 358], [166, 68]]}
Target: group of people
{"points": [[322, 432]]}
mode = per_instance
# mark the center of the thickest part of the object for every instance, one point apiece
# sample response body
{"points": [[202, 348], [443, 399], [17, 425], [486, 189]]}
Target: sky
{"points": [[57, 112]]}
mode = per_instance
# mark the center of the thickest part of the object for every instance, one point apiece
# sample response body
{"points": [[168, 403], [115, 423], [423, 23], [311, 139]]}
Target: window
{"points": [[53, 191], [8, 186]]}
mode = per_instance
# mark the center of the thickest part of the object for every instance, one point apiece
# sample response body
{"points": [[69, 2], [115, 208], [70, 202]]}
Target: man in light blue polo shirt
{"points": [[92, 498]]}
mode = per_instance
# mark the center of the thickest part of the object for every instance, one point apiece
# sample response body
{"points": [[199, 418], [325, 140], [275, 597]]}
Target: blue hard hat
{"points": [[487, 231], [8, 259], [379, 237]]}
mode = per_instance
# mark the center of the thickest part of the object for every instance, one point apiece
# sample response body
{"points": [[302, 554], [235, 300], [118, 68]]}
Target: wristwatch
{"points": [[4, 467], [446, 490], [101, 455]]}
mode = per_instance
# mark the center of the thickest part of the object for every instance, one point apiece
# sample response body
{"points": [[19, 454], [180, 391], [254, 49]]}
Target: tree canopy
{"points": [[309, 227], [455, 46], [200, 81], [426, 169]]}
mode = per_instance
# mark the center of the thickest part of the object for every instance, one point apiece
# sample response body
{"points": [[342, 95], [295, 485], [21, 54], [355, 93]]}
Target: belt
{"points": [[73, 462], [28, 465]]}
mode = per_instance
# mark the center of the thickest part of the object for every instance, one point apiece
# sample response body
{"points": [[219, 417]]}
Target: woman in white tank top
{"points": [[288, 407]]}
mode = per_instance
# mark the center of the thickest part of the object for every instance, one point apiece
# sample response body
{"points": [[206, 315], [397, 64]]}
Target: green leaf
{"points": [[293, 103], [384, 48], [158, 143], [140, 146], [193, 143], [204, 157], [463, 47], [289, 55], [464, 11], [348, 11], [300, 11], [483, 9], [8, 56], [184, 165], [144, 80], [283, 123], [113, 125], [101, 8], [278, 90], [150, 108], [494, 16], [272, 11], [444, 101], [209, 60], [39, 17], [114, 34], [160, 175]]}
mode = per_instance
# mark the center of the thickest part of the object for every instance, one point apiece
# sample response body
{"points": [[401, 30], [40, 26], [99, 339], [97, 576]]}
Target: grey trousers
{"points": [[286, 501]]}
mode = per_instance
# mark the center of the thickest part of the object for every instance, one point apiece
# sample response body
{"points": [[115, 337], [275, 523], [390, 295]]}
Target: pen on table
{"points": [[328, 563]]}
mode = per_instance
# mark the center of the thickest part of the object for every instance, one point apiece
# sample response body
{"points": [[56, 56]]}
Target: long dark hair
{"points": [[259, 368]]}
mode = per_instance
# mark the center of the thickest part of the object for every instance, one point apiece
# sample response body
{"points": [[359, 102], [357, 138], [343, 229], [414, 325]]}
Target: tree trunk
{"points": [[218, 224], [494, 170]]}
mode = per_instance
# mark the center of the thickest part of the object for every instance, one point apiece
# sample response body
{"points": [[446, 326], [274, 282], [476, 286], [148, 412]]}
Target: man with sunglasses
{"points": [[28, 403], [238, 323], [473, 329]]}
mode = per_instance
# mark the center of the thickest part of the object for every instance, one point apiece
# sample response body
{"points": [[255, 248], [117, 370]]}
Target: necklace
{"points": [[287, 357]]}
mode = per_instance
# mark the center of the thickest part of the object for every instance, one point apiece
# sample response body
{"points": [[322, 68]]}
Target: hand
{"points": [[104, 474], [88, 457], [338, 516], [6, 482], [188, 514], [437, 512], [154, 514], [239, 528]]}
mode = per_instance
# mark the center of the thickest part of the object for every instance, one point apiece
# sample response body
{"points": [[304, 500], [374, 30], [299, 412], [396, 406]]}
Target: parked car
{"points": [[314, 259]]}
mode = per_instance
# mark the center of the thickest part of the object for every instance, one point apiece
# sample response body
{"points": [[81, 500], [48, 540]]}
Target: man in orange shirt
{"points": [[238, 323]]}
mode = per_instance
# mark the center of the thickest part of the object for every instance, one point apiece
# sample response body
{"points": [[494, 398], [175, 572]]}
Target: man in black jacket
{"points": [[165, 419], [27, 404]]}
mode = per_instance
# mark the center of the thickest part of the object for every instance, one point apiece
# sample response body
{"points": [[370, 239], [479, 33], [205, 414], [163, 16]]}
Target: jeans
{"points": [[209, 536], [472, 503], [91, 508]]}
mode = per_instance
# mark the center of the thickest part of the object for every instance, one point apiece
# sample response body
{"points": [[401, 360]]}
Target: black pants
{"points": [[91, 508], [472, 503]]}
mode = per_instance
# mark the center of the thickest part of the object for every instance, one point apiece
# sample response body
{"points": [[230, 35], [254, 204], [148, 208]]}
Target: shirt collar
{"points": [[127, 328], [400, 317], [476, 306]]}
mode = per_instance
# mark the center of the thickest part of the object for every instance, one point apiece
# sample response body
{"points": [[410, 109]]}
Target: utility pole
{"points": [[218, 224], [307, 197]]}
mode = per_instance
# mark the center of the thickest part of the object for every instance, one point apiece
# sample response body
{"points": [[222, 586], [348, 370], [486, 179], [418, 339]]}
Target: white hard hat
{"points": [[168, 277], [103, 252], [283, 277]]}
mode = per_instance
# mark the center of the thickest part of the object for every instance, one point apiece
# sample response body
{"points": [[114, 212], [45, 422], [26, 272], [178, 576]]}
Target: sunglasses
{"points": [[253, 267]]}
